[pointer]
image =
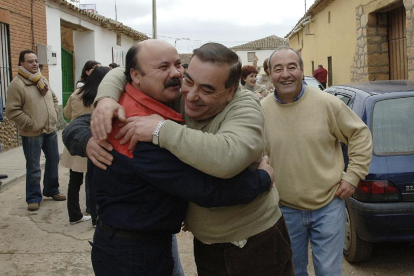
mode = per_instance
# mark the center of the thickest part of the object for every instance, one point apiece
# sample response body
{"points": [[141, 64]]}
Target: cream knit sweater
{"points": [[302, 140]]}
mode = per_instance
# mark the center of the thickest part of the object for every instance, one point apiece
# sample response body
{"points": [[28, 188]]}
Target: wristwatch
{"points": [[156, 133]]}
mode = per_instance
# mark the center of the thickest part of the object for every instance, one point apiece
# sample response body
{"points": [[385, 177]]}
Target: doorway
{"points": [[397, 44], [67, 75], [330, 71]]}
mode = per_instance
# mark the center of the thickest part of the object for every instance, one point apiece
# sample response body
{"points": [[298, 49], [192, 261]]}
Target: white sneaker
{"points": [[84, 218]]}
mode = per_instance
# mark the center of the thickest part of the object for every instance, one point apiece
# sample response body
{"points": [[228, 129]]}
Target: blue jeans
{"points": [[32, 147], [178, 269], [325, 229]]}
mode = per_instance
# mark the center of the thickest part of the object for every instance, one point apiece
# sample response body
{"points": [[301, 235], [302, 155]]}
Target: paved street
{"points": [[44, 243]]}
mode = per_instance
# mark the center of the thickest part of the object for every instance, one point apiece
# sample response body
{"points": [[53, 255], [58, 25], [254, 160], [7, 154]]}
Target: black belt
{"points": [[137, 235]]}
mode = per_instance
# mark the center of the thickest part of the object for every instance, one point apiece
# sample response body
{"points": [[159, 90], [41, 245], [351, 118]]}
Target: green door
{"points": [[67, 76]]}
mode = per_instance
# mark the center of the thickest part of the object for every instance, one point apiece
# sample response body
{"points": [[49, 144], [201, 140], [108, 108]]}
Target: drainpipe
{"points": [[154, 19], [32, 25]]}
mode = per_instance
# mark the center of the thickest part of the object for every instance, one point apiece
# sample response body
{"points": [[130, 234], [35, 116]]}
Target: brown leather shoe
{"points": [[59, 197], [33, 206]]}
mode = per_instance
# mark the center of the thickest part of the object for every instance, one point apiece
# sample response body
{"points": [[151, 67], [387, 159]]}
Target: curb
{"points": [[13, 163]]}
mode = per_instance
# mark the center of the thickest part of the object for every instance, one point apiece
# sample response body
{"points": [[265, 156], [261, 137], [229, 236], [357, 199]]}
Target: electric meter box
{"points": [[45, 55]]}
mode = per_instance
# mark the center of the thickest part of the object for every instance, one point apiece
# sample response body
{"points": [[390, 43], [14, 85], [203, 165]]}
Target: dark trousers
{"points": [[74, 210], [267, 253], [113, 254], [92, 197], [323, 84], [75, 182]]}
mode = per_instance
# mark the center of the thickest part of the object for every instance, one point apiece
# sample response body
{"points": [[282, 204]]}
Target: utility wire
{"points": [[197, 40]]}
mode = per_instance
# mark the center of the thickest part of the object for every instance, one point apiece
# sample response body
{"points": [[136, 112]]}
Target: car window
{"points": [[345, 98], [393, 126], [312, 83]]}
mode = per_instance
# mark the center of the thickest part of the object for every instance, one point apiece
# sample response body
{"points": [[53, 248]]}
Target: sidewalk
{"points": [[43, 243], [13, 162]]}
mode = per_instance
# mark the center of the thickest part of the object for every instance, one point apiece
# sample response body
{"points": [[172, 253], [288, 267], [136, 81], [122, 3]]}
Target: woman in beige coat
{"points": [[79, 103]]}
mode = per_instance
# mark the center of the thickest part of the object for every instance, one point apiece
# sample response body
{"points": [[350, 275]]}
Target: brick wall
{"points": [[22, 16]]}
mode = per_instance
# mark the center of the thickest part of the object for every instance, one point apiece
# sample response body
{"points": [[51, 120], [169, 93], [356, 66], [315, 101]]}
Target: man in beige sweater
{"points": [[303, 130], [223, 135], [33, 107]]}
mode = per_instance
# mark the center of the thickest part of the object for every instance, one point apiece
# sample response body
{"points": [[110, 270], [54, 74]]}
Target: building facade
{"points": [[261, 48], [22, 26], [357, 40], [64, 38], [76, 36]]}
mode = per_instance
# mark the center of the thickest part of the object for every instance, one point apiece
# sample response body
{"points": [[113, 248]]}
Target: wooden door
{"points": [[330, 74], [397, 44]]}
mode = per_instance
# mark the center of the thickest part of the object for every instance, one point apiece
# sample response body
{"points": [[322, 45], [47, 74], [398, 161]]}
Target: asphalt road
{"points": [[43, 243]]}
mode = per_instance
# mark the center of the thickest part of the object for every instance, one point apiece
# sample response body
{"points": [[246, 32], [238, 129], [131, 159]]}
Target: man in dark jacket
{"points": [[142, 197]]}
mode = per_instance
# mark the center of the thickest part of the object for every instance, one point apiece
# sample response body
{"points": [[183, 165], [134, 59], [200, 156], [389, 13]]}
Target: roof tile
{"points": [[270, 42], [106, 23]]}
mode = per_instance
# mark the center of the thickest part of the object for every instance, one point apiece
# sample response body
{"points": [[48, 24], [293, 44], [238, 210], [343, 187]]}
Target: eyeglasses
{"points": [[31, 61]]}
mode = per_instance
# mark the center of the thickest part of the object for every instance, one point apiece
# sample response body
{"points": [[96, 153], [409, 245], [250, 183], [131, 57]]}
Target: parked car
{"points": [[382, 207], [312, 82]]}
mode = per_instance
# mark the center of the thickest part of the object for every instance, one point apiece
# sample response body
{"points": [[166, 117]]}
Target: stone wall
{"points": [[9, 137], [409, 6], [371, 60]]}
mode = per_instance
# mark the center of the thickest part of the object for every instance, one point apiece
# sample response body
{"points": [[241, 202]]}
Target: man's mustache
{"points": [[173, 82]]}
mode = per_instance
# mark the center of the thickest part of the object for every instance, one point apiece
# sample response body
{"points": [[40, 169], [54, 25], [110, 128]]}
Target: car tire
{"points": [[355, 249]]}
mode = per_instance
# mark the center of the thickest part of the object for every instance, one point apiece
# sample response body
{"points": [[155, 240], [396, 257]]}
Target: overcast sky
{"points": [[191, 23]]}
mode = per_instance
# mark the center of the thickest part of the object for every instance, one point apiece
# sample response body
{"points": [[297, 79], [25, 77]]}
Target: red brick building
{"points": [[26, 21], [22, 26]]}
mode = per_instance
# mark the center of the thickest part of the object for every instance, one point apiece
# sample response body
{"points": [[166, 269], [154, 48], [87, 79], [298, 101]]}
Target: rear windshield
{"points": [[312, 83], [393, 126]]}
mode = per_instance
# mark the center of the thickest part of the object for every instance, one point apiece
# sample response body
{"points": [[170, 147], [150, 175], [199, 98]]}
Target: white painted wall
{"points": [[95, 43], [53, 39], [84, 50], [106, 41], [261, 55]]}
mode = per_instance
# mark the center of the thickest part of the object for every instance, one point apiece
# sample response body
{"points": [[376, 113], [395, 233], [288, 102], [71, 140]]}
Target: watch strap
{"points": [[156, 133]]}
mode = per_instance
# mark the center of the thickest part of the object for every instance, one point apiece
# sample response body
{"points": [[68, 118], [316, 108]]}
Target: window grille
{"points": [[5, 66]]}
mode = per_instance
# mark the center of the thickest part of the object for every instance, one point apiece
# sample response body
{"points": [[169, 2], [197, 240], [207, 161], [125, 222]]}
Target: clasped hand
{"points": [[133, 129]]}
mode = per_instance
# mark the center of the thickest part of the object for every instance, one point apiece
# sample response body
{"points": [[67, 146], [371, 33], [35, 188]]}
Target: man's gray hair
{"points": [[285, 48]]}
